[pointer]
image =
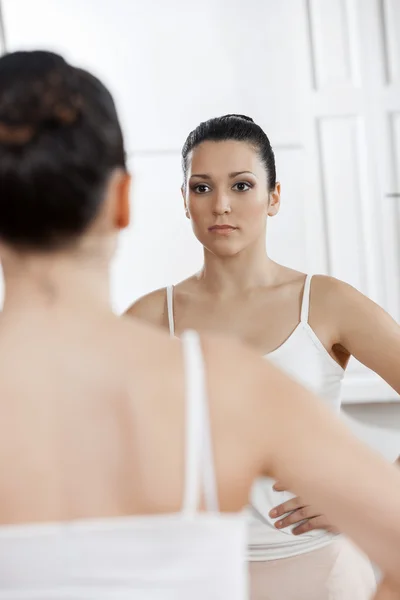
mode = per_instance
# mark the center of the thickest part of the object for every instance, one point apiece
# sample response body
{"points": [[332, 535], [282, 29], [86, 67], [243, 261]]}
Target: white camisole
{"points": [[304, 357], [190, 554]]}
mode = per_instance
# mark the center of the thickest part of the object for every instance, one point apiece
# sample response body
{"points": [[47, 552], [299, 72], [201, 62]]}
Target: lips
{"points": [[222, 228]]}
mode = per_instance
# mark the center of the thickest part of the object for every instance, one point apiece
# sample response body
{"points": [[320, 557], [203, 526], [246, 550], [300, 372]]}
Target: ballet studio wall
{"points": [[322, 78]]}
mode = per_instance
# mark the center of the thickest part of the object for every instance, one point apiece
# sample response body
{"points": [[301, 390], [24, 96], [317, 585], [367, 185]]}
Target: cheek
{"points": [[253, 212], [198, 209]]}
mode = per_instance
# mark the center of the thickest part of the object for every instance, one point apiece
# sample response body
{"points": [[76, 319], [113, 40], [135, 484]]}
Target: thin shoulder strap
{"points": [[199, 461], [170, 308], [305, 305]]}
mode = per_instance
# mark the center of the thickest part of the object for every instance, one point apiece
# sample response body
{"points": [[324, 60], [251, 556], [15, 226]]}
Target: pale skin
{"points": [[387, 591], [242, 293], [83, 414]]}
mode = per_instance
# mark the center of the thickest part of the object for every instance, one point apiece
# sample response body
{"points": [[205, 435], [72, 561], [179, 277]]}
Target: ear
{"points": [[274, 201], [184, 202], [122, 193]]}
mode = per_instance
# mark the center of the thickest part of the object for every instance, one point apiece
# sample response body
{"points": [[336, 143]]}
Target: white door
{"points": [[353, 149]]}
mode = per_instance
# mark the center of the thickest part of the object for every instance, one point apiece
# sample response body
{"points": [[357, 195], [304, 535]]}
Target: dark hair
{"points": [[60, 139], [232, 127]]}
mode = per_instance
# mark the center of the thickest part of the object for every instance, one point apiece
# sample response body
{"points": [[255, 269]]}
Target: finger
{"points": [[279, 487], [285, 507], [319, 522], [306, 512]]}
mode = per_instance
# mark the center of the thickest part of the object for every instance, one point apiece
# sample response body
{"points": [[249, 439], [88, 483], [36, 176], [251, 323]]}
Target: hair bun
{"points": [[49, 101], [235, 116]]}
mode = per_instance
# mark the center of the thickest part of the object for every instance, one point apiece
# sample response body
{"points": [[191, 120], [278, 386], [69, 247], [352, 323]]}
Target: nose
{"points": [[221, 205]]}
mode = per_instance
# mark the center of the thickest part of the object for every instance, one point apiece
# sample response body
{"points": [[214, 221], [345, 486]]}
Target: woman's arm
{"points": [[311, 451], [317, 457], [366, 331], [362, 328]]}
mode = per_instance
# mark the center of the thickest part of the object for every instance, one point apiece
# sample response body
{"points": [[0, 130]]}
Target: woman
{"points": [[307, 326]]}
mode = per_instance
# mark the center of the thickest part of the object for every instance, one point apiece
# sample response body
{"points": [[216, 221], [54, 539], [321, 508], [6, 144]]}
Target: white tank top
{"points": [[304, 357], [190, 554]]}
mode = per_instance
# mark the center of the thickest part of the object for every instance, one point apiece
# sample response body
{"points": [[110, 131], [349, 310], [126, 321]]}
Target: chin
{"points": [[225, 249]]}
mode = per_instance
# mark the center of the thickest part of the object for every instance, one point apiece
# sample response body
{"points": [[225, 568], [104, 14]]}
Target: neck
{"points": [[51, 285], [242, 272]]}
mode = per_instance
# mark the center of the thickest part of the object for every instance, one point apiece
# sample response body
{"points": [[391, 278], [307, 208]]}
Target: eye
{"points": [[242, 186], [202, 188]]}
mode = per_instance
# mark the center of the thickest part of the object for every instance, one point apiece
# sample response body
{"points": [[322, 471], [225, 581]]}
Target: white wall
{"points": [[171, 65], [322, 78], [378, 425]]}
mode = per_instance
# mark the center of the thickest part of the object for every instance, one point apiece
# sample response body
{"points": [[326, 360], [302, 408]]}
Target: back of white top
{"points": [[190, 554]]}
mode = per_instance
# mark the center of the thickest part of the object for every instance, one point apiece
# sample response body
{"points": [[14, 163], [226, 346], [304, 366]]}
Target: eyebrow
{"points": [[231, 175]]}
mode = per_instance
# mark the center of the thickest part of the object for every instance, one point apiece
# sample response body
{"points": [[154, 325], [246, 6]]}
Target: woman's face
{"points": [[226, 196]]}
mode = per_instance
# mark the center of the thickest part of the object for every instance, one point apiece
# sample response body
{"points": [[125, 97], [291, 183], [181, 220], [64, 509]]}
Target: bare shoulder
{"points": [[353, 318], [151, 307], [341, 299], [330, 288], [325, 286]]}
